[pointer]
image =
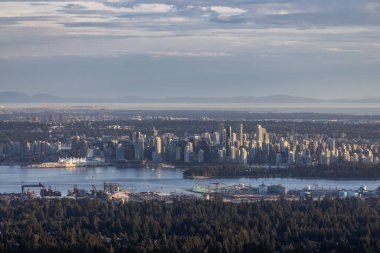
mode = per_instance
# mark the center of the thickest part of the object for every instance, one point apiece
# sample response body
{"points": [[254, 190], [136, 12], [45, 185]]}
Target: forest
{"points": [[63, 225], [334, 171]]}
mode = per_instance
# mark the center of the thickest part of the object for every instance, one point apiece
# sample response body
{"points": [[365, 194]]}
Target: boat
{"points": [[76, 192], [198, 188], [200, 177], [166, 166], [160, 166], [49, 192]]}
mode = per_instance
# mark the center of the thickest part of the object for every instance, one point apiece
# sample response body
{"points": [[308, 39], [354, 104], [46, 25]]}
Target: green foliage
{"points": [[334, 171], [350, 225]]}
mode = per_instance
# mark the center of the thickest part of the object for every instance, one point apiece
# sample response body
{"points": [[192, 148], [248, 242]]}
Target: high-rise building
{"points": [[240, 133], [325, 158], [186, 154], [229, 133], [120, 152], [201, 156], [158, 145], [243, 156], [216, 138], [136, 135], [234, 137], [221, 155], [178, 153], [139, 149], [155, 132], [233, 152], [51, 118], [220, 127], [259, 130], [291, 157], [266, 137], [196, 141]]}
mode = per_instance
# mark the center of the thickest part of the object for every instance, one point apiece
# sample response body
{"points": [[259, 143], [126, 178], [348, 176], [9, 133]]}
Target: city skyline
{"points": [[327, 49]]}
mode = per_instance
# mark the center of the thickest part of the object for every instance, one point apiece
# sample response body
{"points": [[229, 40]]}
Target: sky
{"points": [[114, 48]]}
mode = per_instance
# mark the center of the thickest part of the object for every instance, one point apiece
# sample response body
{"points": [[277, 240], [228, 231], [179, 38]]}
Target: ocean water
{"points": [[145, 179]]}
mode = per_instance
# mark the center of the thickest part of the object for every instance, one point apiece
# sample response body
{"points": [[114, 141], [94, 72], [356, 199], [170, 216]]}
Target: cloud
{"points": [[141, 8], [238, 44], [145, 25], [225, 11], [190, 54]]}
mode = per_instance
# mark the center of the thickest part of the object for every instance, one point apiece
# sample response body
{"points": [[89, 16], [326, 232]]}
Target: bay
{"points": [[145, 179]]}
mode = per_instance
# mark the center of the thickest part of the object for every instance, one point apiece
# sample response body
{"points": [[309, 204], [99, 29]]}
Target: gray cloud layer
{"points": [[322, 48]]}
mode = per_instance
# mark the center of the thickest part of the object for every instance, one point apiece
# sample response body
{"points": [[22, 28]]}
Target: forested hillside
{"points": [[350, 225]]}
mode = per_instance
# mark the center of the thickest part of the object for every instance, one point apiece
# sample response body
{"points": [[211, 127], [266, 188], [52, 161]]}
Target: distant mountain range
{"points": [[17, 97]]}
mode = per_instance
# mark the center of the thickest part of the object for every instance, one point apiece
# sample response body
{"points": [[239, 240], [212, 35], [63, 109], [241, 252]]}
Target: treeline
{"points": [[350, 225], [334, 171], [338, 171]]}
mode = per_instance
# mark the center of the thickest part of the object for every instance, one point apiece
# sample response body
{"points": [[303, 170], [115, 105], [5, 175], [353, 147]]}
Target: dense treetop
{"points": [[42, 225]]}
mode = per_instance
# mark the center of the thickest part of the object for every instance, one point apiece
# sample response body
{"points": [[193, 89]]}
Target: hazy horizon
{"points": [[164, 48], [331, 108], [151, 96]]}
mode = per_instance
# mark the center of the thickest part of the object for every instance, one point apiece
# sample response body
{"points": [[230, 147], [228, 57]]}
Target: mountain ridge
{"points": [[18, 97]]}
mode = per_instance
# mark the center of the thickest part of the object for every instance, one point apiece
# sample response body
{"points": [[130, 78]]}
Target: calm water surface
{"points": [[144, 179]]}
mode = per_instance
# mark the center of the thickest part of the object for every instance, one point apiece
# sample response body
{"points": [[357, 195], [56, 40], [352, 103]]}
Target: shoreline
{"points": [[153, 165], [324, 178]]}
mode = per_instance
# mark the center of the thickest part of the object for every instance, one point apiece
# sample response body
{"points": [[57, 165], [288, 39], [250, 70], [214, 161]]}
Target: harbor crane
{"points": [[23, 186]]}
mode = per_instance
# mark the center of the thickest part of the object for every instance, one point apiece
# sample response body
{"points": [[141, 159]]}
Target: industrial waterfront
{"points": [[166, 180]]}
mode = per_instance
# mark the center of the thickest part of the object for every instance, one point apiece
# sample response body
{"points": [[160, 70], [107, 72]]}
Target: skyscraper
{"points": [[243, 156], [233, 152], [221, 128], [201, 156], [229, 133], [241, 132], [222, 133], [158, 145], [186, 154], [139, 149], [260, 131]]}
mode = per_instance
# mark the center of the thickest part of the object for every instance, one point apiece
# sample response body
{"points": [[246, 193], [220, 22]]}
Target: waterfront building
{"points": [[187, 153], [263, 189], [178, 153], [277, 189], [139, 148], [120, 152]]}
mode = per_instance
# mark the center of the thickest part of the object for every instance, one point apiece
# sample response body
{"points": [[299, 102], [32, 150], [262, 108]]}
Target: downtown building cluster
{"points": [[225, 145]]}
